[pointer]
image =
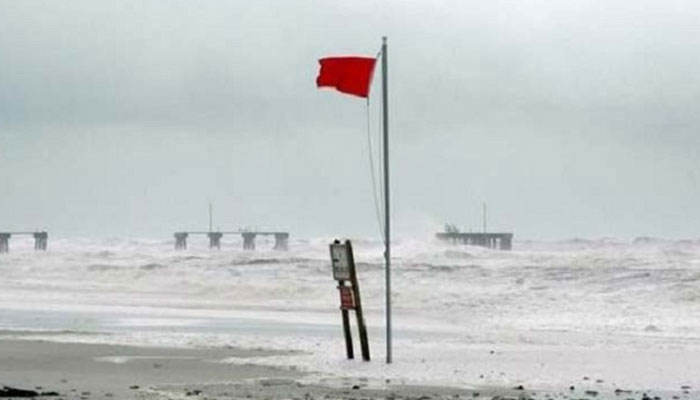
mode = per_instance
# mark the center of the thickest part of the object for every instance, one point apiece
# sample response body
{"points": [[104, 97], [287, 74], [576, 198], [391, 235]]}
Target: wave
{"points": [[589, 282]]}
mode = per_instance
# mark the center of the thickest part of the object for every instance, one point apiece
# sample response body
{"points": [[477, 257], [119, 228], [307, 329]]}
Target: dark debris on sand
{"points": [[287, 389], [16, 393], [284, 389]]}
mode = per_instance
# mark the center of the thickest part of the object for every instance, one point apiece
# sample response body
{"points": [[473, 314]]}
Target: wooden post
{"points": [[362, 328], [347, 332]]}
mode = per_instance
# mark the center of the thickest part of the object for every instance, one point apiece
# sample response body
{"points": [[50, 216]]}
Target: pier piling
{"points": [[281, 241], [181, 240], [41, 240], [248, 240], [215, 240], [5, 242]]}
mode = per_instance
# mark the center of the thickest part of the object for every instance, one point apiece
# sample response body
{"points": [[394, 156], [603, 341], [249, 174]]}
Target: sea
{"points": [[601, 313]]}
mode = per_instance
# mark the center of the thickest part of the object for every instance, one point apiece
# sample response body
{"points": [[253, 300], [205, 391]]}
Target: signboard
{"points": [[343, 263], [340, 262], [347, 302]]}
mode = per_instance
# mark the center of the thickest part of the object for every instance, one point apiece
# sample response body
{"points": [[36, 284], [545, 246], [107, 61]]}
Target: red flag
{"points": [[351, 75]]}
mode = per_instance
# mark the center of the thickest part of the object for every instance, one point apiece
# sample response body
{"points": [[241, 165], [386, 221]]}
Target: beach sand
{"points": [[97, 371], [78, 371]]}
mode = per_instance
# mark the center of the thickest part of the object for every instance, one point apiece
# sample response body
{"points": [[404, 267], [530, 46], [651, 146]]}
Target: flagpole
{"points": [[387, 213]]}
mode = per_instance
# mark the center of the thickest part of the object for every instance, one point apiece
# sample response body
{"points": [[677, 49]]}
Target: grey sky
{"points": [[569, 119]]}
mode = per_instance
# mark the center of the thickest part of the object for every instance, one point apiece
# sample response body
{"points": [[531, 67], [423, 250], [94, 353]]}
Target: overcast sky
{"points": [[570, 119]]}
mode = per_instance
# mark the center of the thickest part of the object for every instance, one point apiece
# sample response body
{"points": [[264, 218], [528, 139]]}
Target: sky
{"points": [[568, 119]]}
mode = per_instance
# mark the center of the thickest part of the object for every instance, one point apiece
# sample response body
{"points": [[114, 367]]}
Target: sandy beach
{"points": [[96, 371], [102, 371]]}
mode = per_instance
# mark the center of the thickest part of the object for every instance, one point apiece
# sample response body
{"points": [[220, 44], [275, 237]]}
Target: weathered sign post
{"points": [[343, 263]]}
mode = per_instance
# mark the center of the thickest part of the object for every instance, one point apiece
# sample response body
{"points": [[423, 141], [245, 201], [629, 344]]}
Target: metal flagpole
{"points": [[387, 213], [210, 218]]}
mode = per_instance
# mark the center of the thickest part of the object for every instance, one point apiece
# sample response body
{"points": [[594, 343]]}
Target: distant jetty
{"points": [[281, 238], [41, 240], [492, 240]]}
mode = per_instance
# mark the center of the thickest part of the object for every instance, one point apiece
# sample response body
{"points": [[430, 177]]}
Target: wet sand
{"points": [[91, 371], [97, 371]]}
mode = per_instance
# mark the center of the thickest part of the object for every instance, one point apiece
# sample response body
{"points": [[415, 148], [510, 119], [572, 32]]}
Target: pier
{"points": [[41, 240], [281, 238], [492, 240]]}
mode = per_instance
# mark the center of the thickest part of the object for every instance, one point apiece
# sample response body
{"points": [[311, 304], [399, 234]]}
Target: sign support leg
{"points": [[361, 327], [348, 334]]}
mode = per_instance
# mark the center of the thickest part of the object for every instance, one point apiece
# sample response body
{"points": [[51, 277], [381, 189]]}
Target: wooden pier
{"points": [[492, 240], [41, 240], [281, 238]]}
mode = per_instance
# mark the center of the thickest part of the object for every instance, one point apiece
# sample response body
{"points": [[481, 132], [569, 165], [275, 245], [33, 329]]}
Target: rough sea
{"points": [[607, 312]]}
